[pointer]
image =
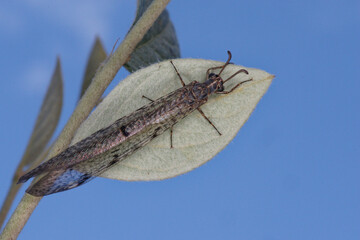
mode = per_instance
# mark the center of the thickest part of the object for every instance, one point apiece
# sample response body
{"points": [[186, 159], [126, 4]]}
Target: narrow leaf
{"points": [[44, 128], [159, 43], [195, 141], [47, 119], [97, 56]]}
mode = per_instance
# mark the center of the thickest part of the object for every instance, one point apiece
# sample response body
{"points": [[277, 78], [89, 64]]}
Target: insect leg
{"points": [[182, 82], [148, 98], [171, 138], [203, 114]]}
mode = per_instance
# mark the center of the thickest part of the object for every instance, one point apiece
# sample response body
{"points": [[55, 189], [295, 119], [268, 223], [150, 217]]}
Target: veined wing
{"points": [[96, 153], [102, 140], [63, 179]]}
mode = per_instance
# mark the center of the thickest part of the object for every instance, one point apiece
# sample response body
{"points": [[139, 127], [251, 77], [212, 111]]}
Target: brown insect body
{"points": [[93, 155]]}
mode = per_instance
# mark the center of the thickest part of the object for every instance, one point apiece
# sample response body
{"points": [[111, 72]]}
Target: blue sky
{"points": [[292, 172]]}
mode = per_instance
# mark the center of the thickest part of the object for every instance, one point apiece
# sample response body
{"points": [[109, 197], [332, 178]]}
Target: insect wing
{"points": [[57, 181], [97, 143], [78, 174], [69, 173]]}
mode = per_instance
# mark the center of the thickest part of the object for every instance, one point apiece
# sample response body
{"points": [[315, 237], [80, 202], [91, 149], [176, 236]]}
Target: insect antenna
{"points": [[240, 71], [226, 63]]}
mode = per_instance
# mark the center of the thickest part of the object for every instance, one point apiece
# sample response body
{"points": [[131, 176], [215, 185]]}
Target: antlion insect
{"points": [[93, 155]]}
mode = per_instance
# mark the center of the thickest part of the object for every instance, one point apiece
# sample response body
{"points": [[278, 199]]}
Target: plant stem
{"points": [[14, 188], [99, 83]]}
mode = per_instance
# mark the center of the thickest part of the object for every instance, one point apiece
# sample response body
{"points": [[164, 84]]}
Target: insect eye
{"points": [[212, 75], [221, 88]]}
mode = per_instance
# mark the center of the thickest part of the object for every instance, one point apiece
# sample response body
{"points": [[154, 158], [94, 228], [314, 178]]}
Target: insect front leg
{"points": [[207, 119], [182, 82]]}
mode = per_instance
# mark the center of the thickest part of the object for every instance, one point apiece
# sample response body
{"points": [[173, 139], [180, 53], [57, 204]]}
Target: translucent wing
{"points": [[99, 142], [93, 155], [78, 174], [57, 181]]}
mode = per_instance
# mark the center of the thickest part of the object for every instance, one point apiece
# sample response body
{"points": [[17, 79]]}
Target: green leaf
{"points": [[159, 43], [47, 119], [195, 141], [97, 56]]}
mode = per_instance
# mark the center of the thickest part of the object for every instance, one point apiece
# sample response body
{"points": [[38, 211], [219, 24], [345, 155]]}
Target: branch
{"points": [[100, 82], [14, 187]]}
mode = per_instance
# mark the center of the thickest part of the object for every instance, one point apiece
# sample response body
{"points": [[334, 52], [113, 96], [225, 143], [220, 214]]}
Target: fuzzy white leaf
{"points": [[195, 140]]}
